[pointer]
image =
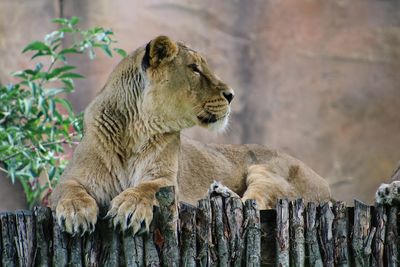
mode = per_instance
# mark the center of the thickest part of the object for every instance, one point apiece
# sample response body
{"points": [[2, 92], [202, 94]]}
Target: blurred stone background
{"points": [[317, 79]]}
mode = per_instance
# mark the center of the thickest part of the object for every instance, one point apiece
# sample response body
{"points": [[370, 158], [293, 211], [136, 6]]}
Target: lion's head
{"points": [[182, 87]]}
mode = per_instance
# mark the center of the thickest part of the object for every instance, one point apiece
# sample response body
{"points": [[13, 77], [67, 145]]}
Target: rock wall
{"points": [[317, 79]]}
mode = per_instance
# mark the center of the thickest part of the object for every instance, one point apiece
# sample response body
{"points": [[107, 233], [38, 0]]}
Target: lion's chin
{"points": [[215, 125]]}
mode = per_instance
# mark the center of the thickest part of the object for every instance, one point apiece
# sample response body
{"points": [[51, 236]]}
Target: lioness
{"points": [[132, 145]]}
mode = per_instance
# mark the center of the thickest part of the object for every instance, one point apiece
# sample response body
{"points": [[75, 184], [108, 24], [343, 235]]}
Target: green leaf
{"points": [[53, 91], [28, 106], [36, 46], [52, 172], [60, 21], [121, 52], [70, 51], [66, 29], [69, 84], [59, 70], [53, 37], [40, 54], [107, 50], [65, 103], [74, 20], [19, 74], [71, 75]]}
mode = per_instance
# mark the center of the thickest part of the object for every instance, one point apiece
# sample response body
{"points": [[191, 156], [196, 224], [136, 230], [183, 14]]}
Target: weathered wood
{"points": [[152, 259], [252, 229], [104, 246], [221, 231], [363, 234], [392, 238], [60, 244], [92, 249], [187, 217], [340, 238], [268, 237], [43, 226], [326, 235], [297, 247], [25, 239], [167, 225], [282, 226], [312, 247], [133, 247], [219, 235], [234, 215], [379, 222], [203, 233], [75, 251], [9, 256]]}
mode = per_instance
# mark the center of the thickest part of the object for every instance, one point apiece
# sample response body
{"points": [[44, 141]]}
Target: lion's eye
{"points": [[194, 67]]}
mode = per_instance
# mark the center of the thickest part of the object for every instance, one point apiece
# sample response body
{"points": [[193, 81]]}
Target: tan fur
{"points": [[132, 145]]}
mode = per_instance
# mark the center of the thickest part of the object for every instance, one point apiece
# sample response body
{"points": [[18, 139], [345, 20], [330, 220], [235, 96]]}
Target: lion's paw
{"points": [[132, 209], [388, 193], [77, 216], [216, 188]]}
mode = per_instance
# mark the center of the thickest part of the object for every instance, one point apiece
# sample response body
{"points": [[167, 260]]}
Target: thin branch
{"points": [[62, 141], [3, 170]]}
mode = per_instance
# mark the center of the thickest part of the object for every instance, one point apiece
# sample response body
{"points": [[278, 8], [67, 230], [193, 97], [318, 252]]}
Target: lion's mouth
{"points": [[209, 118]]}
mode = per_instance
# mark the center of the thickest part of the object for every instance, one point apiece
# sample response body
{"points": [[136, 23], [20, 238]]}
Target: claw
{"points": [[128, 220], [144, 228], [61, 221], [91, 227]]}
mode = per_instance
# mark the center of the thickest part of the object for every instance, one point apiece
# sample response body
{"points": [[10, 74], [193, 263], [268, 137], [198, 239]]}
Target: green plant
{"points": [[36, 121]]}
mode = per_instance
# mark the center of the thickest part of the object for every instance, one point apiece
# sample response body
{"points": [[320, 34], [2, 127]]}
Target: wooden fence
{"points": [[218, 232]]}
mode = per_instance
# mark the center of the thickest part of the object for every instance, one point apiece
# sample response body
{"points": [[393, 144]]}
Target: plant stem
{"points": [[62, 141], [3, 170]]}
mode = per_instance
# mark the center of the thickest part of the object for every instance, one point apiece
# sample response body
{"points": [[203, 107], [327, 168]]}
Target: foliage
{"points": [[36, 122]]}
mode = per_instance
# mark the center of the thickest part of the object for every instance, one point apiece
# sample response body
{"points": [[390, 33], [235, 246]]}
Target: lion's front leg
{"points": [[133, 207]]}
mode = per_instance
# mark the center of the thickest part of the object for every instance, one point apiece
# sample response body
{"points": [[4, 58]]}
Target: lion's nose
{"points": [[228, 96]]}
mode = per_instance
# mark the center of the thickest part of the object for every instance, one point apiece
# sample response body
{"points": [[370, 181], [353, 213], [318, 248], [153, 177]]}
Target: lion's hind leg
{"points": [[266, 186]]}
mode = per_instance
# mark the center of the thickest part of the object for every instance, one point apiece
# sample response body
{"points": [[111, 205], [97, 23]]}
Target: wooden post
{"points": [[282, 225], [75, 251], [60, 245], [91, 248], [392, 238], [203, 232], [219, 234], [133, 249], [252, 229], [268, 237], [25, 239], [152, 258], [234, 214], [380, 220], [363, 234], [168, 226], [340, 239], [109, 240], [187, 217], [8, 232], [326, 235], [43, 226], [297, 250], [313, 253]]}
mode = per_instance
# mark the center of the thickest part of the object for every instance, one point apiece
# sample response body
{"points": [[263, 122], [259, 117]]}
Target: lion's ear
{"points": [[160, 50]]}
